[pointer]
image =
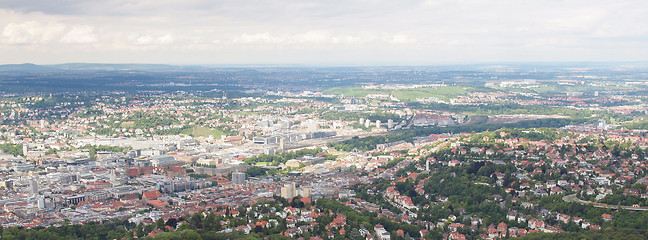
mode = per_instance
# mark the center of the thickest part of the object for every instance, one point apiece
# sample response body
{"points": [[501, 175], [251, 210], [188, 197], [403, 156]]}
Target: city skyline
{"points": [[344, 33]]}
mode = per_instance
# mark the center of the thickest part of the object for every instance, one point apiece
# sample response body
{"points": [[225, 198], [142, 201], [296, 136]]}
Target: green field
{"points": [[127, 124], [352, 91], [443, 93], [203, 132]]}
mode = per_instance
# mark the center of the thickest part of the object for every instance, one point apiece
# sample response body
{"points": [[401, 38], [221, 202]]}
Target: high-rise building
{"points": [[312, 125], [304, 192], [288, 191], [238, 178], [33, 186], [41, 202]]}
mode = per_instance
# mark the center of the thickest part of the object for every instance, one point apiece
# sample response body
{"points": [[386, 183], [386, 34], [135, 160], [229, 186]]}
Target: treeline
{"points": [[504, 108], [370, 143], [277, 159], [116, 229], [13, 149], [621, 234], [94, 149], [636, 125]]}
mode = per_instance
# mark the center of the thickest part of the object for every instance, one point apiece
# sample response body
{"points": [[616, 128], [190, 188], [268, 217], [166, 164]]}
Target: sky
{"points": [[338, 32]]}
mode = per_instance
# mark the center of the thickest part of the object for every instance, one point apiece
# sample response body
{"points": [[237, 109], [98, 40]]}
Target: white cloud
{"points": [[82, 34], [152, 39], [323, 30], [31, 32], [403, 39]]}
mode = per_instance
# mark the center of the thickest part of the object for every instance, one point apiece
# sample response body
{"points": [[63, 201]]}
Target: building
{"points": [[288, 191], [238, 178], [6, 184], [33, 186], [164, 161], [73, 200]]}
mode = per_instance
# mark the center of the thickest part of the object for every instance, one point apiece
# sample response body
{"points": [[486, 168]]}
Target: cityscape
{"points": [[313, 120], [498, 157]]}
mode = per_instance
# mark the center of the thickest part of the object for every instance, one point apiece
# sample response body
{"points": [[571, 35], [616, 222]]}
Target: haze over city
{"points": [[322, 32]]}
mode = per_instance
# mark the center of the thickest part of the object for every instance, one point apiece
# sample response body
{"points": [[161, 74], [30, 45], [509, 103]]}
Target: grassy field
{"points": [[203, 132], [127, 124], [352, 91], [443, 93]]}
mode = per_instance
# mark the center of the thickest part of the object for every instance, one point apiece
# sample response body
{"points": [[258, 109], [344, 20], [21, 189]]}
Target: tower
{"points": [[33, 186]]}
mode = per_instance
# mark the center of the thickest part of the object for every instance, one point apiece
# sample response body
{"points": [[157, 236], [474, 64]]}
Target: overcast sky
{"points": [[344, 32]]}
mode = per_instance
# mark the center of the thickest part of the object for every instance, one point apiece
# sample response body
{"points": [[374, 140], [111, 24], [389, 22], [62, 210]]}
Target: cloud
{"points": [[152, 40], [320, 37], [31, 32], [402, 39], [428, 30], [82, 34]]}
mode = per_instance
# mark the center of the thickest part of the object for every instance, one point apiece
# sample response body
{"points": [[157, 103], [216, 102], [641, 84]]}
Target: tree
{"points": [[355, 234], [210, 223], [195, 221], [190, 234], [255, 171], [140, 230], [172, 222], [160, 224]]}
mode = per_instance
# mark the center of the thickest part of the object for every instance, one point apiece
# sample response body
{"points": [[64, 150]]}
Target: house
{"points": [[151, 195], [381, 233], [474, 221], [454, 163], [246, 229], [606, 217], [521, 218], [502, 228], [453, 227], [536, 224], [511, 215], [157, 203]]}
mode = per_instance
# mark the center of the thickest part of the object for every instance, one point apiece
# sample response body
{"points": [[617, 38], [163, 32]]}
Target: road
{"points": [[573, 198]]}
